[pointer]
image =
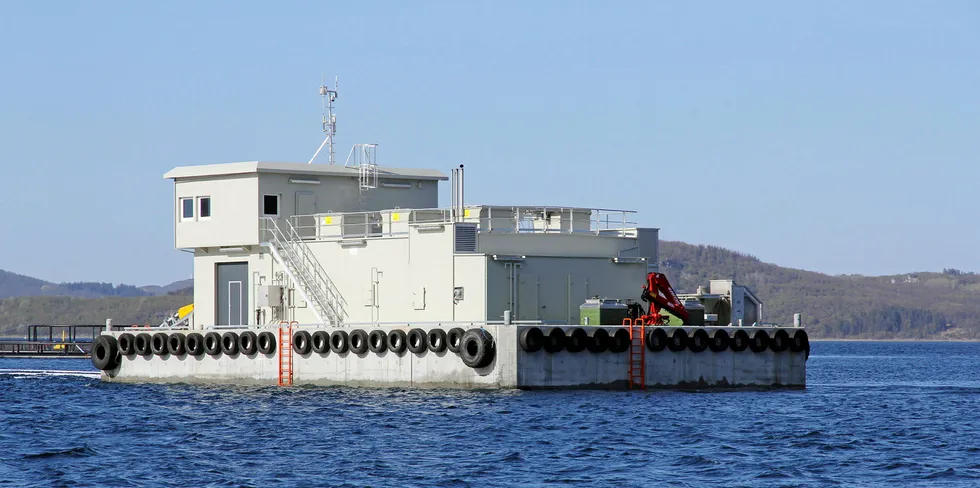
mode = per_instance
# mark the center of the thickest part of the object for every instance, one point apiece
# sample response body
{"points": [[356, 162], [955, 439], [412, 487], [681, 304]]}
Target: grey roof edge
{"points": [[248, 167]]}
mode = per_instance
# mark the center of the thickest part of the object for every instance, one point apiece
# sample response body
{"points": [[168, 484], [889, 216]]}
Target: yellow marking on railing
{"points": [[328, 220], [395, 217]]}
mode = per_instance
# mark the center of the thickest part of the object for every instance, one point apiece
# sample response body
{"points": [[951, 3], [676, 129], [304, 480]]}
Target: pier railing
{"points": [[12, 348]]}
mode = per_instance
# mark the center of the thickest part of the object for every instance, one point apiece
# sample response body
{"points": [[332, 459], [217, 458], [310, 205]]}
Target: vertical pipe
{"points": [[461, 186], [452, 198]]}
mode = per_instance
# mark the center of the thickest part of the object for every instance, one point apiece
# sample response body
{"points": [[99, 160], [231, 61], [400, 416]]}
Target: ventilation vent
{"points": [[465, 237]]}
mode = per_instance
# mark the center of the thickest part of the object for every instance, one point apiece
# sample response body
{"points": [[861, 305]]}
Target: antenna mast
{"points": [[329, 120]]}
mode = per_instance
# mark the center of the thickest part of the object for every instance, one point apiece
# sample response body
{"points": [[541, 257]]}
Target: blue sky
{"points": [[835, 136]]}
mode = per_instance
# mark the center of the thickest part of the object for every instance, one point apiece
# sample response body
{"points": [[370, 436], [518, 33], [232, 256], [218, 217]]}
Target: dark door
{"points": [[232, 291]]}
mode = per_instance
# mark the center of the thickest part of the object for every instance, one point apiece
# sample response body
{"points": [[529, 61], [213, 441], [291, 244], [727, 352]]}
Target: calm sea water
{"points": [[874, 414]]}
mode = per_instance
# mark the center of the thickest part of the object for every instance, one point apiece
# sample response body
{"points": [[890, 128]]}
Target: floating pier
{"points": [[354, 275], [464, 355], [46, 341]]}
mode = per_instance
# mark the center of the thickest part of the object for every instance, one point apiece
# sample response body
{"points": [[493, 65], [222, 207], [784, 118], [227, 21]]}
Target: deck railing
{"points": [[489, 219]]}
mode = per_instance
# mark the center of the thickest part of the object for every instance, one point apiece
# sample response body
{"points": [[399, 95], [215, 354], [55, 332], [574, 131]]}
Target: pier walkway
{"points": [[47, 341]]}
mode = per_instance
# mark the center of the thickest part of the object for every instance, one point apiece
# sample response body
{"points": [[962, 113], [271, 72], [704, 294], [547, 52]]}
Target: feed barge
{"points": [[330, 274]]}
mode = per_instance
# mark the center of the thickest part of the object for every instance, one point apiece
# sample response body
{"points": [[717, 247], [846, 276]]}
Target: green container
{"points": [[603, 311]]}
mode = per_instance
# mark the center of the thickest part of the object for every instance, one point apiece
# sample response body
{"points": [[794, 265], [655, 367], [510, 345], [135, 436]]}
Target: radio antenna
{"points": [[329, 119]]}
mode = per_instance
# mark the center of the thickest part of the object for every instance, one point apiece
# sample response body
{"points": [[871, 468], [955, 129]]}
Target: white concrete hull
{"points": [[512, 367]]}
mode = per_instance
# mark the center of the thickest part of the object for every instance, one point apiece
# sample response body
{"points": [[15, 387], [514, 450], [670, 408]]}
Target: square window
{"points": [[186, 209], [204, 207], [270, 205]]}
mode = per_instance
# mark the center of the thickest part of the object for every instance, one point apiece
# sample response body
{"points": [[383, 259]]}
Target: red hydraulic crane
{"points": [[661, 296]]}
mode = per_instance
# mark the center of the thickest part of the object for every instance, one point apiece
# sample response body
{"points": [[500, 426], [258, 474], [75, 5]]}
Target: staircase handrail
{"points": [[330, 288], [317, 283]]}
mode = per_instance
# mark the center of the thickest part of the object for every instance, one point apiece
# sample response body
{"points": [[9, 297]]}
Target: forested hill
{"points": [[16, 285], [942, 305]]}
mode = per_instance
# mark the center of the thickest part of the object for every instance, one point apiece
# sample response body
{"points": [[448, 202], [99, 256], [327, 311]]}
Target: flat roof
{"points": [[224, 169]]}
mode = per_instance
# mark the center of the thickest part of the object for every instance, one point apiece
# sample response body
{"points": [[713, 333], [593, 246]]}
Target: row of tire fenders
{"points": [[475, 347], [656, 339]]}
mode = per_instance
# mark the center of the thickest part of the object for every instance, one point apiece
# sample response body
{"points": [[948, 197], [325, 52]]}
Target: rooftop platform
{"points": [[253, 167]]}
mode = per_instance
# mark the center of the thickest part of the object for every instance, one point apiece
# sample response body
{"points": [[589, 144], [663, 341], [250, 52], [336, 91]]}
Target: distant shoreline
{"points": [[894, 340]]}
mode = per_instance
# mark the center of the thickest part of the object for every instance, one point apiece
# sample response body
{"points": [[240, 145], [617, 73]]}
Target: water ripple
{"points": [[874, 414]]}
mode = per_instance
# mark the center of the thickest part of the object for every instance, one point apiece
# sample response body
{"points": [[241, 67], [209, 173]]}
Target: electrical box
{"points": [[269, 296]]}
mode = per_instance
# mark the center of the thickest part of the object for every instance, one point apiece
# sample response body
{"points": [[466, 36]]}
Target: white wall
{"points": [[234, 211], [205, 296], [341, 193], [411, 278]]}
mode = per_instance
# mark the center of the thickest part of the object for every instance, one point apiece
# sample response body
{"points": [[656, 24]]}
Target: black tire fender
{"points": [[678, 340], [477, 348], [377, 341], [779, 341], [159, 343], [320, 342], [397, 340], [302, 342], [212, 343], [194, 344], [759, 341], [698, 341], [739, 341], [619, 340], [142, 344], [417, 341], [229, 343], [576, 340], [531, 339], [718, 340], [105, 352], [266, 342], [656, 339], [248, 343], [453, 339], [358, 341], [554, 340], [339, 342], [175, 343], [437, 340], [800, 342], [126, 343], [598, 340]]}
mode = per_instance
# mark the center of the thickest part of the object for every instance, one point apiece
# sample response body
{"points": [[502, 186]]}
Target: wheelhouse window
{"points": [[186, 209], [270, 205], [204, 207]]}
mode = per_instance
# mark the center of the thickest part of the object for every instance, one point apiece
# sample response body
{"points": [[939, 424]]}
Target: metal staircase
{"points": [[303, 269]]}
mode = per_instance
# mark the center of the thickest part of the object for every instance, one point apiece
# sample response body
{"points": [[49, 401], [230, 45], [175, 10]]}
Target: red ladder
{"points": [[637, 353], [285, 354]]}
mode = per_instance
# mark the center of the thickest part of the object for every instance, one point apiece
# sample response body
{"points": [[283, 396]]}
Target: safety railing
{"points": [[305, 271], [42, 348], [490, 219]]}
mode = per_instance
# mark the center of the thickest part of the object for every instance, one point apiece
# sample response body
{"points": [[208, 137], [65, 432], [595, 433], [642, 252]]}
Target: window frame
{"points": [[200, 213], [278, 198], [180, 209]]}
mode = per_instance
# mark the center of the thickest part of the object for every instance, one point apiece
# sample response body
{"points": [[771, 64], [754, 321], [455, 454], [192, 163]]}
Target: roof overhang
{"points": [[255, 167]]}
